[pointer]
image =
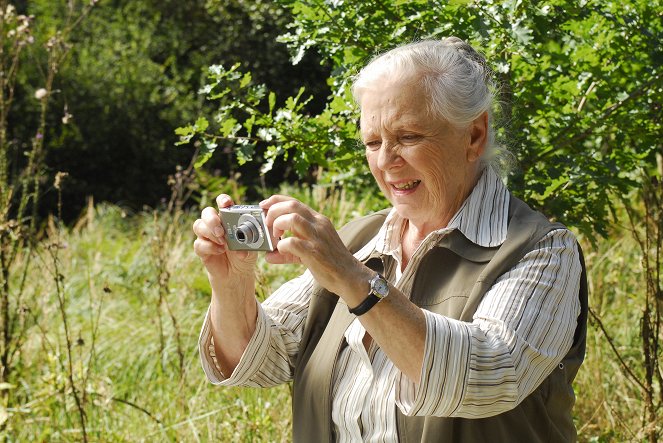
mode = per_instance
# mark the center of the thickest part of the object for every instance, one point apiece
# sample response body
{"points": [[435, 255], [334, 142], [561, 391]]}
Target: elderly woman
{"points": [[456, 315]]}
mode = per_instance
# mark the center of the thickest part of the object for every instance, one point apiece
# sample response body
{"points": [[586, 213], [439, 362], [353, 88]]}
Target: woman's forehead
{"points": [[394, 109]]}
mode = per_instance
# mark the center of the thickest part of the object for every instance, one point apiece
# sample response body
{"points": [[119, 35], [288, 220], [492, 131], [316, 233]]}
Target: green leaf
{"points": [[229, 127], [201, 124], [248, 124], [220, 94], [186, 133], [272, 101], [184, 130], [521, 32], [338, 105], [244, 150], [245, 80], [206, 153]]}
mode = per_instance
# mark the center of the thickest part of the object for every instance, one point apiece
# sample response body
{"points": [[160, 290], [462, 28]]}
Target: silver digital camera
{"points": [[245, 228]]}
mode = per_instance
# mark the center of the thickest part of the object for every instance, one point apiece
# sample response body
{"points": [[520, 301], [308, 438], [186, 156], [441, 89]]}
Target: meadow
{"points": [[99, 317], [114, 304]]}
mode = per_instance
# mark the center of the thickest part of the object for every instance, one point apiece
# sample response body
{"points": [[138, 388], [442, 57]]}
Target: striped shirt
{"points": [[520, 332]]}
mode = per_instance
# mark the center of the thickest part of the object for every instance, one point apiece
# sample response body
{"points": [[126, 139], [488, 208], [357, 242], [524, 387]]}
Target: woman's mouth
{"points": [[406, 185]]}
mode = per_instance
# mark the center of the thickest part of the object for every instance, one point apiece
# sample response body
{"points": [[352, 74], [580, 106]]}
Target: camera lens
{"points": [[247, 233]]}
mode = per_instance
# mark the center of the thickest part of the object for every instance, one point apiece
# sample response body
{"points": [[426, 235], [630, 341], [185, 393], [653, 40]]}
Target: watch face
{"points": [[380, 286]]}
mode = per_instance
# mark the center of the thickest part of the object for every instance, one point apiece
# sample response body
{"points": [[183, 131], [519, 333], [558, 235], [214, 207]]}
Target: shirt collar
{"points": [[482, 217]]}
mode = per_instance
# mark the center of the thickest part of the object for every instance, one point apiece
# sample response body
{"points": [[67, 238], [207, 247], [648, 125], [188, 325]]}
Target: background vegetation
{"points": [[131, 77], [101, 303]]}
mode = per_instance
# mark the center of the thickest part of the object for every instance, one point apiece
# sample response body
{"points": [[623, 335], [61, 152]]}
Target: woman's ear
{"points": [[478, 132]]}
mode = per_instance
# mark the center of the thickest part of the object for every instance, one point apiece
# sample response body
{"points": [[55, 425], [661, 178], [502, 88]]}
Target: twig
{"points": [[61, 297], [594, 414], [192, 419], [584, 97], [94, 324], [561, 141], [625, 367], [133, 405], [621, 420]]}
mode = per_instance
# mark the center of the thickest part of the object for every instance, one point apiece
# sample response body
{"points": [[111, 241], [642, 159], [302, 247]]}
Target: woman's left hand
{"points": [[314, 242]]}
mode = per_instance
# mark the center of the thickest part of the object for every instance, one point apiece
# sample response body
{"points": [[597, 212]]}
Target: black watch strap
{"points": [[366, 305], [379, 290]]}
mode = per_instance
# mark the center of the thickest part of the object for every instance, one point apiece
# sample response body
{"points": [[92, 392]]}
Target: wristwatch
{"points": [[379, 290]]}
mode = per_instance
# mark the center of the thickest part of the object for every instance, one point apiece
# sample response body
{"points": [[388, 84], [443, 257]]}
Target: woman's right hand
{"points": [[222, 264]]}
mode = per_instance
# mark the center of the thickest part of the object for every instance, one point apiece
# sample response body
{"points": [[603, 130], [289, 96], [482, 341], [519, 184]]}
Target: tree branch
{"points": [[557, 144], [625, 367]]}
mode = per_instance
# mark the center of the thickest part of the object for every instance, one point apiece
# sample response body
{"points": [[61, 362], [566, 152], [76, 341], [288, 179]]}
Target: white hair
{"points": [[453, 74]]}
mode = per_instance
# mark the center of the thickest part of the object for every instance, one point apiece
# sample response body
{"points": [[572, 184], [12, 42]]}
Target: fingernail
{"points": [[218, 232]]}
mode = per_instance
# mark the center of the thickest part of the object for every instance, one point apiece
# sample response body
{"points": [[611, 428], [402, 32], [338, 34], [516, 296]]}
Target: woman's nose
{"points": [[389, 156]]}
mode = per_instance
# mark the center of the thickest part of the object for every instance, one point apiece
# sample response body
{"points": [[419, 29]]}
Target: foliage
{"points": [[100, 320], [21, 181], [133, 381], [284, 129], [136, 389], [619, 387], [580, 105], [130, 78], [647, 230], [581, 91], [141, 372]]}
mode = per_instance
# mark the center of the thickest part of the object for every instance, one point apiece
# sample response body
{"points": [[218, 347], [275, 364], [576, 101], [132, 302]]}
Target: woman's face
{"points": [[425, 166]]}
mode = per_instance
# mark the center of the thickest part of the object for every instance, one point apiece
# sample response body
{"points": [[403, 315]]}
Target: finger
{"points": [[209, 227], [202, 230], [205, 248], [278, 258], [224, 200], [276, 198], [280, 204], [295, 223], [292, 250], [210, 218], [287, 205]]}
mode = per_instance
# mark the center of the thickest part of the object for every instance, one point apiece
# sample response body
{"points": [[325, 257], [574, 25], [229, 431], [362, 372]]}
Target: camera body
{"points": [[245, 228]]}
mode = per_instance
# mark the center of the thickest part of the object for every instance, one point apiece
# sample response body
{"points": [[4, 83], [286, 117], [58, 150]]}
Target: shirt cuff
{"points": [[250, 362], [436, 394]]}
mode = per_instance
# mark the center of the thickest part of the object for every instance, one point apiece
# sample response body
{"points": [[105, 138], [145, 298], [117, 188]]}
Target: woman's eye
{"points": [[409, 138], [373, 145]]}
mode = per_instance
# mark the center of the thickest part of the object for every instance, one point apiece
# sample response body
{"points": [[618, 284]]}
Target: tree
{"points": [[581, 92], [131, 77], [581, 95]]}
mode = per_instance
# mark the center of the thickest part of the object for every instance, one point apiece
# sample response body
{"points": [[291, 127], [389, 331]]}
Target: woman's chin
{"points": [[408, 210]]}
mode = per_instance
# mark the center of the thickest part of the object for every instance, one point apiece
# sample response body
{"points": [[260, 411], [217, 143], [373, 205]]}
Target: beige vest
{"points": [[451, 280]]}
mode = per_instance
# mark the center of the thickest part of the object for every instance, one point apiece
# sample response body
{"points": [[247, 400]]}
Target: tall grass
{"points": [[135, 387], [136, 390], [613, 381], [609, 406]]}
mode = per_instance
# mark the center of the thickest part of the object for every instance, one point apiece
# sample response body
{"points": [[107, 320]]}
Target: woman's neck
{"points": [[410, 241], [415, 232]]}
